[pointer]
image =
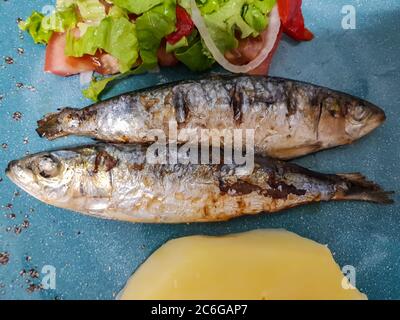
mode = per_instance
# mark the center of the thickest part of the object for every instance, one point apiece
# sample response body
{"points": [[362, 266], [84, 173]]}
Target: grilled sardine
{"points": [[290, 118], [116, 182]]}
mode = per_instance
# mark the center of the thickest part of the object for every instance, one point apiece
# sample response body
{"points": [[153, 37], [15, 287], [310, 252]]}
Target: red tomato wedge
{"points": [[184, 26], [263, 68], [293, 20], [248, 50], [166, 59], [59, 64]]}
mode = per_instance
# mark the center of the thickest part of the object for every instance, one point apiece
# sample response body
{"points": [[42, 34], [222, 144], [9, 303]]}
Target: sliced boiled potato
{"points": [[262, 264]]}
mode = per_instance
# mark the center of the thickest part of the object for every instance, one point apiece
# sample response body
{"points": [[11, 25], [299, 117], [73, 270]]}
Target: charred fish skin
{"points": [[290, 118], [116, 182]]}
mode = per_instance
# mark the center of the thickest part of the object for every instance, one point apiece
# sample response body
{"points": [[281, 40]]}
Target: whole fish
{"points": [[116, 182], [290, 118]]}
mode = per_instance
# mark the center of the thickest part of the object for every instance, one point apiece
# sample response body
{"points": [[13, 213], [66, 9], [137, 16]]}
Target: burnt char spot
{"points": [[181, 106], [87, 114], [104, 159], [238, 188], [281, 190], [147, 102], [237, 101], [276, 190], [291, 102], [137, 166]]}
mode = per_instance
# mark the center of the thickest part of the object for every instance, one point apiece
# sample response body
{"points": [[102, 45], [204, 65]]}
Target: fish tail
{"points": [[359, 188], [51, 127]]}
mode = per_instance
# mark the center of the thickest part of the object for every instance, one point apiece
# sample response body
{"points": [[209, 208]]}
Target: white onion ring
{"points": [[269, 38]]}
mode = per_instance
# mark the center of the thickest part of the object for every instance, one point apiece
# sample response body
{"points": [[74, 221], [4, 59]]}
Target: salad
{"points": [[106, 40]]}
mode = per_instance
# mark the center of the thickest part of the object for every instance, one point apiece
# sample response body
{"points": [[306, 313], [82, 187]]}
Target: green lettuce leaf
{"points": [[118, 12], [117, 36], [209, 6], [137, 6], [194, 57], [151, 28], [255, 13], [91, 10], [181, 43], [34, 26], [96, 87], [225, 17], [41, 27]]}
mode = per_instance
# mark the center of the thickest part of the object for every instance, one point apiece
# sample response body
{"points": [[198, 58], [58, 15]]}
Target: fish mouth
{"points": [[377, 113], [376, 119], [14, 177], [9, 170]]}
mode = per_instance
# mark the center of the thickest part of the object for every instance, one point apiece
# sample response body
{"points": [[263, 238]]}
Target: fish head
{"points": [[47, 176], [362, 118], [344, 119]]}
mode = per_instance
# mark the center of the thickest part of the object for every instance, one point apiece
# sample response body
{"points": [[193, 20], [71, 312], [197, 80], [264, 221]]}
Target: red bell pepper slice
{"points": [[184, 26], [293, 20]]}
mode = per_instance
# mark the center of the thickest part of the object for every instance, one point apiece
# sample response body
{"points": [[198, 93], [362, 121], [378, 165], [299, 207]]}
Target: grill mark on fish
{"points": [[236, 103], [103, 158], [182, 109], [291, 100], [320, 105], [317, 102]]}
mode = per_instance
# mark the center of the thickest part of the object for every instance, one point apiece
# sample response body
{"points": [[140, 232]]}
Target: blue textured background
{"points": [[94, 258]]}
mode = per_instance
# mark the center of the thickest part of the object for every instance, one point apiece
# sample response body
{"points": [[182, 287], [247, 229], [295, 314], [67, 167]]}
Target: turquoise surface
{"points": [[94, 258]]}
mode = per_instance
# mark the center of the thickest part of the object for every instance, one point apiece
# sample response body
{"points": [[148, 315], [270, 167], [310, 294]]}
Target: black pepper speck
{"points": [[4, 258], [33, 288], [34, 274], [17, 116], [17, 230], [11, 216], [25, 224], [9, 60]]}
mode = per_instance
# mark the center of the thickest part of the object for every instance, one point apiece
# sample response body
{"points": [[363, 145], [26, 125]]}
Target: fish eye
{"points": [[48, 166], [359, 113]]}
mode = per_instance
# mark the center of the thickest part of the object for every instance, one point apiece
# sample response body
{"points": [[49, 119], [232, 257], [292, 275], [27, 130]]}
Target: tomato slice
{"points": [[293, 20], [59, 64], [249, 49], [166, 59], [263, 68], [184, 26]]}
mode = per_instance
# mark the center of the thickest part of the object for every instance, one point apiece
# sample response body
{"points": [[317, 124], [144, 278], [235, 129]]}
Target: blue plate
{"points": [[93, 258]]}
